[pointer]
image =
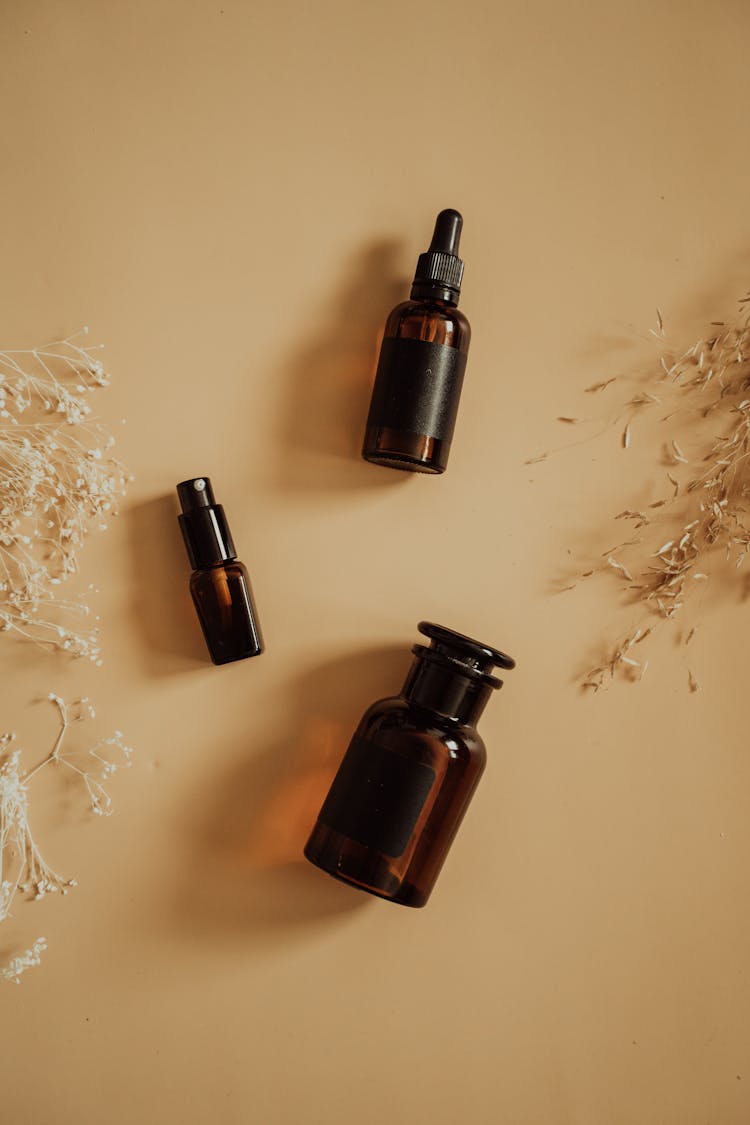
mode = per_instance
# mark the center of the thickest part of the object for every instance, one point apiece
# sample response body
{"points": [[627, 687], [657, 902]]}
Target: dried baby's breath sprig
{"points": [[23, 961], [95, 765], [23, 868], [58, 481], [707, 387]]}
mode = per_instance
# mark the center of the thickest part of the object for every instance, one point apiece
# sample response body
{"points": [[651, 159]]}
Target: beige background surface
{"points": [[232, 196]]}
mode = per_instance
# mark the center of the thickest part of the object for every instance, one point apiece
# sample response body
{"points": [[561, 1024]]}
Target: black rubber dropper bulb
{"points": [[447, 233]]}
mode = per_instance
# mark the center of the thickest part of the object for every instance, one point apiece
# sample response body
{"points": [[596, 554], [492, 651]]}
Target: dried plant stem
{"points": [[58, 481], [708, 385], [27, 960], [23, 868]]}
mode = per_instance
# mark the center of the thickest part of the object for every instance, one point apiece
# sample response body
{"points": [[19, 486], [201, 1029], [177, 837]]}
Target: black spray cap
{"points": [[473, 658], [203, 524], [440, 270]]}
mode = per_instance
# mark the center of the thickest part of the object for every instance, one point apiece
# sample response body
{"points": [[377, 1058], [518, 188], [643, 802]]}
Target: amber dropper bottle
{"points": [[220, 584], [410, 771], [422, 361]]}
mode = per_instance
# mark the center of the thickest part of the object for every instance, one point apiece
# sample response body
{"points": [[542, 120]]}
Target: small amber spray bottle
{"points": [[422, 362], [409, 773], [220, 584]]}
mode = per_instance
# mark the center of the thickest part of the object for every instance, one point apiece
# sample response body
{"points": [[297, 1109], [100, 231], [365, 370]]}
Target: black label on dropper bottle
{"points": [[417, 387], [377, 796]]}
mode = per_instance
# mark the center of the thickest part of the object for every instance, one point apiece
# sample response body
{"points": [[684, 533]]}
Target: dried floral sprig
{"points": [[706, 389], [58, 481], [29, 959], [23, 868]]}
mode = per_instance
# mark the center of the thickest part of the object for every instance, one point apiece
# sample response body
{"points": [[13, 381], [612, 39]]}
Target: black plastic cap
{"points": [[473, 657], [203, 524], [195, 493], [440, 270]]}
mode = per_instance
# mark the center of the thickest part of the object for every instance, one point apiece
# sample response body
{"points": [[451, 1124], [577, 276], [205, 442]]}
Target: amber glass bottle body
{"points": [[397, 852], [417, 386], [224, 602]]}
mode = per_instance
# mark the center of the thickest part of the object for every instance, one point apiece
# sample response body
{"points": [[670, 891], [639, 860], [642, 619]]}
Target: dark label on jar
{"points": [[377, 796], [417, 387]]}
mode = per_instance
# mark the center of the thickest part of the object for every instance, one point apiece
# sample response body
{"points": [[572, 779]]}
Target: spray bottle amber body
{"points": [[421, 365], [409, 773], [223, 600]]}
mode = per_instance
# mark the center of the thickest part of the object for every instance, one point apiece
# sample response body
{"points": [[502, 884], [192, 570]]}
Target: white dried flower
{"points": [[23, 868], [58, 481], [27, 960]]}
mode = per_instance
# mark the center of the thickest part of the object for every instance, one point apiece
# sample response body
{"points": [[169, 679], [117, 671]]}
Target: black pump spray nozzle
{"points": [[440, 270], [195, 493]]}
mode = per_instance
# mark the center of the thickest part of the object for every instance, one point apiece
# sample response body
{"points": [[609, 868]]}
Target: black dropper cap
{"points": [[203, 524], [440, 270], [467, 656]]}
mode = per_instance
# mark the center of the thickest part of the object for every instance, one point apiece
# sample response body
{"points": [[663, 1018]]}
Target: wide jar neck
{"points": [[439, 687]]}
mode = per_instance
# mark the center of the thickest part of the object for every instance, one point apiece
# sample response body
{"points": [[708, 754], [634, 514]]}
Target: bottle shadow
{"points": [[171, 640], [244, 871], [329, 381]]}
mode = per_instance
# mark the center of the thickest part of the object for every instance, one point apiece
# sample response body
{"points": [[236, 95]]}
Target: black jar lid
{"points": [[473, 658]]}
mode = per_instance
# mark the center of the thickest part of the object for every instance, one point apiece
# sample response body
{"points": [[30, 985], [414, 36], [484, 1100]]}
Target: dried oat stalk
{"points": [[58, 481], [704, 506], [23, 868]]}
